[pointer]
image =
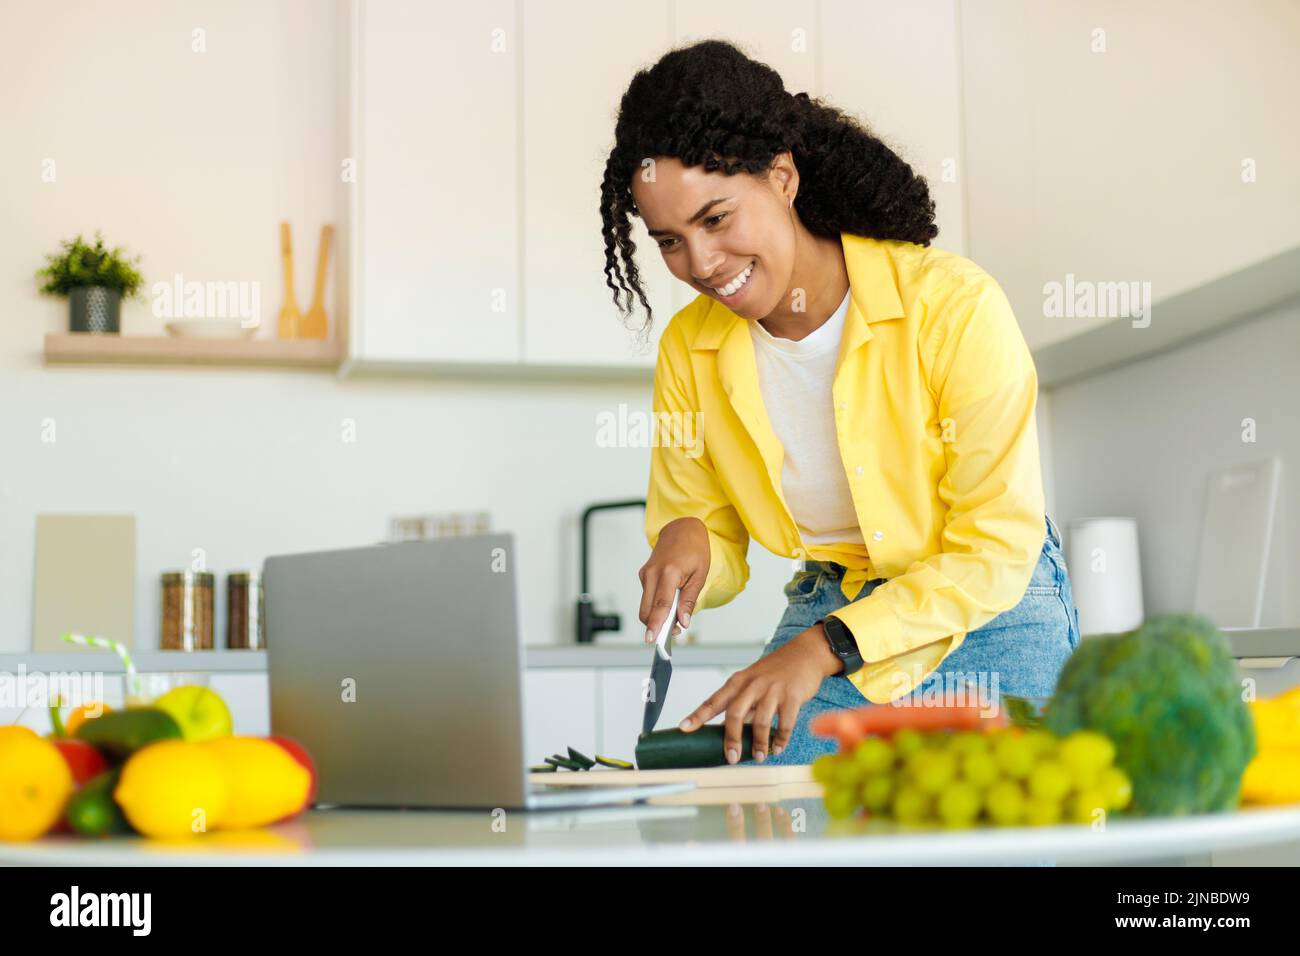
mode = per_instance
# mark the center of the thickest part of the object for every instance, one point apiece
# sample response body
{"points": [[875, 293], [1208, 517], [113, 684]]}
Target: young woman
{"points": [[866, 406]]}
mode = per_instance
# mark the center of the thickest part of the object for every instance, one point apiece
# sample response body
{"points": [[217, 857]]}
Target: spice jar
{"points": [[187, 611], [244, 611]]}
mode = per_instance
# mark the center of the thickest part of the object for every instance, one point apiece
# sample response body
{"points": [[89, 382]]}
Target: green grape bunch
{"points": [[1011, 776]]}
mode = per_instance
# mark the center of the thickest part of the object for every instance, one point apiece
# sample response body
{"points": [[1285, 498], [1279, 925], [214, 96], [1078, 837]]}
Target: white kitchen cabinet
{"points": [[480, 136], [559, 712], [622, 706], [1126, 143], [895, 66], [780, 33], [436, 211], [579, 56]]}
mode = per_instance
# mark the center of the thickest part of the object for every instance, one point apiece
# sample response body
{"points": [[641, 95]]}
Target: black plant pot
{"points": [[96, 309]]}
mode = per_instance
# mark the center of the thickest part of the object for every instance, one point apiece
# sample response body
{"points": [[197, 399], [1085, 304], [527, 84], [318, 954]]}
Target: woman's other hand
{"points": [[773, 686]]}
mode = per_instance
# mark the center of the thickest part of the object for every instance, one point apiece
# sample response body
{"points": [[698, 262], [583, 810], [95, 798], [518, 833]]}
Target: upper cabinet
{"points": [[576, 66], [1125, 147], [896, 66], [436, 216], [481, 133]]}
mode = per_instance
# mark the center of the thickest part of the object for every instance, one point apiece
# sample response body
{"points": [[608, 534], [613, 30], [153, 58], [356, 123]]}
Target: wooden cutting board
{"points": [[702, 777]]}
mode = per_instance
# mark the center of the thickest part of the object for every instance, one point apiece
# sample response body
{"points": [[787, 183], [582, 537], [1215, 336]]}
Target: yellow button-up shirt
{"points": [[935, 393]]}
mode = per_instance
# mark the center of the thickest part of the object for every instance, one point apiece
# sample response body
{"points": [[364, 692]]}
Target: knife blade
{"points": [[661, 670]]}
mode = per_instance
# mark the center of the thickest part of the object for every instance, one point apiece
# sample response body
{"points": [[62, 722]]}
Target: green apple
{"points": [[200, 712]]}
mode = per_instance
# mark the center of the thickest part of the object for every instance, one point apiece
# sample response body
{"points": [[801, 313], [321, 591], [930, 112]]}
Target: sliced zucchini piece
{"points": [[564, 762], [543, 768], [587, 762], [615, 763]]}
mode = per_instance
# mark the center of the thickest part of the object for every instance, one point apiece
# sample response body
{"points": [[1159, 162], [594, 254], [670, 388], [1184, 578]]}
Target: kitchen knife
{"points": [[661, 669]]}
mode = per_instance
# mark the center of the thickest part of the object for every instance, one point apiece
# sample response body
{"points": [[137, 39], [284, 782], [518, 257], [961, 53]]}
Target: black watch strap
{"points": [[842, 644]]}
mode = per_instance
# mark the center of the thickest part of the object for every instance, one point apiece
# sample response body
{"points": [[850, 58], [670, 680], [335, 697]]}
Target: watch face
{"points": [[840, 640]]}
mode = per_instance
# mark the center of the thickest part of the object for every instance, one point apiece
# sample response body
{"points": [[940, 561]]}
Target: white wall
{"points": [[1141, 441]]}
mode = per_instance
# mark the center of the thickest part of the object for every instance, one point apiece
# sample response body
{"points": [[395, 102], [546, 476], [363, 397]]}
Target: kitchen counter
{"points": [[680, 832]]}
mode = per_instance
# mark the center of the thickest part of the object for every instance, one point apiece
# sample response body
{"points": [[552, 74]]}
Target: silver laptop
{"points": [[398, 667]]}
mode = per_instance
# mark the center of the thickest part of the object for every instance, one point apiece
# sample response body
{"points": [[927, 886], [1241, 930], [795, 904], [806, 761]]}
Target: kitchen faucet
{"points": [[589, 621]]}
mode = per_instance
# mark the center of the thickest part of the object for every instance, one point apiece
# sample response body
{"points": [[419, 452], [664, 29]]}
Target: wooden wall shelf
{"points": [[81, 348]]}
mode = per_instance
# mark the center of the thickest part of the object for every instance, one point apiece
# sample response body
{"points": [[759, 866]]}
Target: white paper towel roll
{"points": [[1105, 574]]}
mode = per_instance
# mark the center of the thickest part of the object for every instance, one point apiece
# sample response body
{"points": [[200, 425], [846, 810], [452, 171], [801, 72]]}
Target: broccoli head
{"points": [[1168, 695]]}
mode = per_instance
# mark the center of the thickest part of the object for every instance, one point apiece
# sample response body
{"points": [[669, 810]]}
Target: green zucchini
{"points": [[587, 762], [120, 733], [544, 768], [564, 762], [92, 811], [614, 763], [674, 749]]}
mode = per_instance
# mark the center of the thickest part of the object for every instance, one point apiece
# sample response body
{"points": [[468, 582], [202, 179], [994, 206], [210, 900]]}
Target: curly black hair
{"points": [[709, 104]]}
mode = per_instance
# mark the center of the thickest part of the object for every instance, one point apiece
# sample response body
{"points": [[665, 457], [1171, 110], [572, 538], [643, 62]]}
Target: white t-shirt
{"points": [[795, 379]]}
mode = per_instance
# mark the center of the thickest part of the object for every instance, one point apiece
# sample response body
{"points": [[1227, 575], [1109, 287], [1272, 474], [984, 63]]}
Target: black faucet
{"points": [[589, 622]]}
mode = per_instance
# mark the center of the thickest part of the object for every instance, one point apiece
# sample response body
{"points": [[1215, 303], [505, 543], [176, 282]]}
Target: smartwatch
{"points": [[842, 643]]}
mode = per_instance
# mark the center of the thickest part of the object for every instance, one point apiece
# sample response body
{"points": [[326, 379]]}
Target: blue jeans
{"points": [[1019, 652]]}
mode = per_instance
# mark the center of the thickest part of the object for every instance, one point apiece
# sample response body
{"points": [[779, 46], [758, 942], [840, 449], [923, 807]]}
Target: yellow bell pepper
{"points": [[1273, 776]]}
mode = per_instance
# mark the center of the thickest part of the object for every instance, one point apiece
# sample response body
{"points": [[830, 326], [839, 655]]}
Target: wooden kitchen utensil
{"points": [[290, 318], [315, 325]]}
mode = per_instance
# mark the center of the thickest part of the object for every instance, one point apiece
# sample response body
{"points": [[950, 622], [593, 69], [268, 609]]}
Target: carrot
{"points": [[851, 725]]}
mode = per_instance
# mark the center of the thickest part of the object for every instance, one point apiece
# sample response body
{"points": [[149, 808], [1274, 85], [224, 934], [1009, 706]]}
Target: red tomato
{"points": [[298, 753], [84, 761]]}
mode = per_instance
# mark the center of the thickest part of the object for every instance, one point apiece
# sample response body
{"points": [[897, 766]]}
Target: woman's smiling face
{"points": [[730, 237]]}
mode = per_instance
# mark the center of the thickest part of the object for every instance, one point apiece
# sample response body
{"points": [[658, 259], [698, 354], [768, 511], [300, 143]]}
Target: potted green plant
{"points": [[95, 279]]}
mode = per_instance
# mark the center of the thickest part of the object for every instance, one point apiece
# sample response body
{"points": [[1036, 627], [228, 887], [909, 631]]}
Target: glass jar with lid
{"points": [[187, 603]]}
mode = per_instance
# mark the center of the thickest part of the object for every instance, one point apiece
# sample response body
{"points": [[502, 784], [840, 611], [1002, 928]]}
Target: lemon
{"points": [[35, 784], [173, 788], [266, 783]]}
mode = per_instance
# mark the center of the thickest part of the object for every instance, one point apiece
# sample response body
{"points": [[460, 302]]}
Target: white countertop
{"points": [[794, 831]]}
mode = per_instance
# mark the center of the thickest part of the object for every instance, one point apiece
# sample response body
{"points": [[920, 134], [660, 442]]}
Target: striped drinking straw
{"points": [[132, 678]]}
